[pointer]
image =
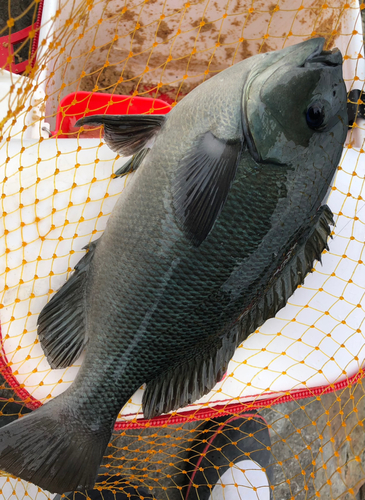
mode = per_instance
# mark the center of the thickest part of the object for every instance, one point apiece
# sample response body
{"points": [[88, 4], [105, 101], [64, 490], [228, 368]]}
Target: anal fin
{"points": [[192, 378], [61, 323]]}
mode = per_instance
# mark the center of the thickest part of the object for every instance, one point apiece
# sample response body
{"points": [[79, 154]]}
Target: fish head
{"points": [[295, 105]]}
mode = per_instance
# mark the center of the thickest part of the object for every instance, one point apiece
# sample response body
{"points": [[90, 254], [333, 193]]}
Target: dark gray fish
{"points": [[221, 222]]}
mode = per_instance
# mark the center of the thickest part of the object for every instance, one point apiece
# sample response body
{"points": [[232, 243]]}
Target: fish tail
{"points": [[53, 448]]}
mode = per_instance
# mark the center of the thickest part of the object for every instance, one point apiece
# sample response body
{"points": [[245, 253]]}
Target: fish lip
{"points": [[320, 41], [331, 57], [325, 58]]}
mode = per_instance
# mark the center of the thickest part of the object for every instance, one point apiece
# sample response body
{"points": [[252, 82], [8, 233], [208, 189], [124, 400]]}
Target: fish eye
{"points": [[315, 115]]}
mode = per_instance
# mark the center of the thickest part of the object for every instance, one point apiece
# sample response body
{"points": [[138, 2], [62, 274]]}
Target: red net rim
{"points": [[228, 408]]}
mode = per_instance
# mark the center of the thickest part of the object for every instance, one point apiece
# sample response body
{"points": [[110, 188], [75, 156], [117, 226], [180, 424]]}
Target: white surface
{"points": [[15, 489], [324, 344], [246, 480], [28, 124]]}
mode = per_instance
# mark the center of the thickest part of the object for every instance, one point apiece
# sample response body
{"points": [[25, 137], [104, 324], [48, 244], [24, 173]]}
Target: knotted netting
{"points": [[287, 418]]}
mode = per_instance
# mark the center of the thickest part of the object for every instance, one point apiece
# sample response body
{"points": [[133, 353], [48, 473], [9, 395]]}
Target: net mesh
{"points": [[293, 395]]}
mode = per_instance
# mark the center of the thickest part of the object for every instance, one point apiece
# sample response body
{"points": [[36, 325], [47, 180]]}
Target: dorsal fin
{"points": [[61, 323], [126, 134], [133, 163]]}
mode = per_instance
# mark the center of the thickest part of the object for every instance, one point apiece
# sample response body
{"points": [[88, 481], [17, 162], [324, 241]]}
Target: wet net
{"points": [[286, 421]]}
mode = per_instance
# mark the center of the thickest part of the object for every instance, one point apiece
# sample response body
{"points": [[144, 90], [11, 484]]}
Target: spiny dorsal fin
{"points": [[200, 189], [192, 378], [61, 323], [126, 134], [133, 163]]}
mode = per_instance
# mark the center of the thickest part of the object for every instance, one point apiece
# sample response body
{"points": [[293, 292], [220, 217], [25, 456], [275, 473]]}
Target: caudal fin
{"points": [[52, 449]]}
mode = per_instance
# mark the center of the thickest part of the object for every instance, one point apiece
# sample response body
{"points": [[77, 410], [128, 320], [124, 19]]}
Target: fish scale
{"points": [[221, 221]]}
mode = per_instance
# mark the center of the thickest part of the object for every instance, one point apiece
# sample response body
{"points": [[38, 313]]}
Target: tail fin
{"points": [[52, 449]]}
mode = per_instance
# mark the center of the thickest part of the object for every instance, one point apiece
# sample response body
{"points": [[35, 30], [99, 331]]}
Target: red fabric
{"points": [[7, 42]]}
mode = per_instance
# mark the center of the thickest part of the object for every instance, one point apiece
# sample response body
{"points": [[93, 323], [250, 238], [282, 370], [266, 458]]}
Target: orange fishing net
{"points": [[287, 419]]}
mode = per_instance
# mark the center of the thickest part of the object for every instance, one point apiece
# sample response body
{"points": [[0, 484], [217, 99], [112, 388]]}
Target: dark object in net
{"points": [[222, 444], [355, 110], [111, 488], [11, 411], [18, 9]]}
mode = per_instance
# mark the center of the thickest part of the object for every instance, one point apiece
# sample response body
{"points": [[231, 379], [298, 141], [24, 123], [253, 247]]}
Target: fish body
{"points": [[221, 221]]}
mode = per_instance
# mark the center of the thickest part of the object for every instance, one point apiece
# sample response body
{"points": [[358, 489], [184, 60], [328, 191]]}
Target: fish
{"points": [[222, 219]]}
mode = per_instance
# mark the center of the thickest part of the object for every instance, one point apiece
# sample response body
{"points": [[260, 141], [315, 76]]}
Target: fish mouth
{"points": [[324, 58]]}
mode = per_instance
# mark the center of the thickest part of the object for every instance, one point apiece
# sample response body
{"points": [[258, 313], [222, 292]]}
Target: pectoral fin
{"points": [[126, 134], [205, 175]]}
